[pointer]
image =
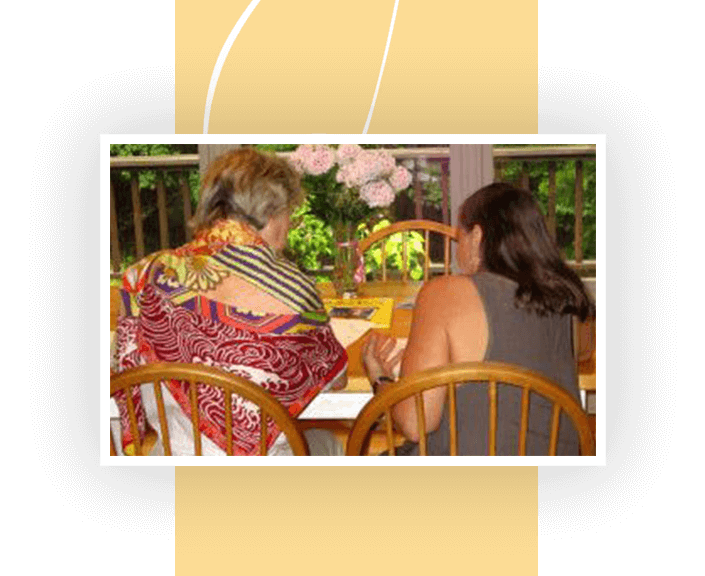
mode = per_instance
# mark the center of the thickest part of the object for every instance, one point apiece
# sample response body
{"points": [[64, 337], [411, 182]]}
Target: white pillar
{"points": [[471, 168]]}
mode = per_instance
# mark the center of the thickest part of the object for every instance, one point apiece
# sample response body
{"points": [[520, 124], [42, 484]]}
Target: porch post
{"points": [[471, 168]]}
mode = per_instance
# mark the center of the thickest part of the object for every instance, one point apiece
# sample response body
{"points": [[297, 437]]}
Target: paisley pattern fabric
{"points": [[165, 318]]}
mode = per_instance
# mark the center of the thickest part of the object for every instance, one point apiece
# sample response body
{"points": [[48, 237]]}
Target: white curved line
{"points": [[221, 60], [381, 70]]}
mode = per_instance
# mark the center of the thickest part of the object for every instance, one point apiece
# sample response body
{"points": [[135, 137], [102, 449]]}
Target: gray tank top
{"points": [[516, 336]]}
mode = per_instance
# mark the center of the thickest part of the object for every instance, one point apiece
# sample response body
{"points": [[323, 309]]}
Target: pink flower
{"points": [[377, 193], [386, 162], [373, 165], [400, 178], [314, 159], [344, 175], [320, 160], [299, 157], [368, 167], [348, 152], [373, 172]]}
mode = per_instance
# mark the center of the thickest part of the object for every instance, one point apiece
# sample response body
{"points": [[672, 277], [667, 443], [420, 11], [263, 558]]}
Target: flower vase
{"points": [[347, 266]]}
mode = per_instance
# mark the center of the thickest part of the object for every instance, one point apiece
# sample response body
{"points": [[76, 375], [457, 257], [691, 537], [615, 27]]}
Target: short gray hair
{"points": [[248, 186]]}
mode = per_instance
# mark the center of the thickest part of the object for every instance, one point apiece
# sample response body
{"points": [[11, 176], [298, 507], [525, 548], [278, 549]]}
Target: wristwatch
{"points": [[379, 380]]}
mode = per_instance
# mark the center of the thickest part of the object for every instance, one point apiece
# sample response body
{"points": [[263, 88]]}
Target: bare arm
{"points": [[448, 326], [428, 347]]}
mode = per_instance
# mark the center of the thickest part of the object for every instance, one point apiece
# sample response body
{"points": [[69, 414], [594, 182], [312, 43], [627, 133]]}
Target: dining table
{"points": [[345, 404]]}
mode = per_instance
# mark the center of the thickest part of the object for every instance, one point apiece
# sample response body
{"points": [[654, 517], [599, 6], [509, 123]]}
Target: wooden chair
{"points": [[448, 232], [472, 373], [584, 349], [229, 383], [114, 306]]}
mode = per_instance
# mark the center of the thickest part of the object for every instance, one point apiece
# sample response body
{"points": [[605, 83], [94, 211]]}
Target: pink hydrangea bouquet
{"points": [[366, 179], [347, 185]]}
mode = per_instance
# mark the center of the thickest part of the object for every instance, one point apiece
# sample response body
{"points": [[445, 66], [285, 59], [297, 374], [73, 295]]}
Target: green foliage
{"points": [[310, 240], [394, 251], [565, 200], [430, 175], [276, 147], [331, 202], [311, 246]]}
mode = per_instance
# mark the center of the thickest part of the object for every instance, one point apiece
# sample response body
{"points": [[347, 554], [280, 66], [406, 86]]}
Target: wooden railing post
{"points": [[525, 183], [578, 211], [498, 167], [114, 241], [418, 192], [186, 196], [444, 190], [137, 214], [161, 205], [552, 198]]}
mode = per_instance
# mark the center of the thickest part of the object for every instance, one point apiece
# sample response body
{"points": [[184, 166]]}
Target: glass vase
{"points": [[347, 261]]}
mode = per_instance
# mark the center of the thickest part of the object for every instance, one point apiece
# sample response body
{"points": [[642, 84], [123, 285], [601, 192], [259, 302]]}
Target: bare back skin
{"points": [[237, 292], [467, 327]]}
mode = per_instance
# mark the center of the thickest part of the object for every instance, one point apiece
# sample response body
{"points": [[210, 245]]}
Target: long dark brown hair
{"points": [[517, 245]]}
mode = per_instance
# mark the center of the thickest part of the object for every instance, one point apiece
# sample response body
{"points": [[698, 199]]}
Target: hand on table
{"points": [[377, 356]]}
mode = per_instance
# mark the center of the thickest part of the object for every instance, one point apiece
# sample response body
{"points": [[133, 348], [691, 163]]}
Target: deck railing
{"points": [[180, 165], [428, 164], [576, 154]]}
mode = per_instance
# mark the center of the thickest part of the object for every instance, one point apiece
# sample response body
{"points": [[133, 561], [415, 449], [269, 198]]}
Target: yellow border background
{"points": [[311, 66], [356, 520]]}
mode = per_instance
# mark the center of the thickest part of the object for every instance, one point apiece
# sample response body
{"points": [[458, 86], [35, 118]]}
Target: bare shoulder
{"points": [[453, 303], [449, 292], [462, 313]]}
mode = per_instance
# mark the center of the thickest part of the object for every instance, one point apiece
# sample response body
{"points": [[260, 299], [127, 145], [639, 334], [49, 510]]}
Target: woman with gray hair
{"points": [[229, 299]]}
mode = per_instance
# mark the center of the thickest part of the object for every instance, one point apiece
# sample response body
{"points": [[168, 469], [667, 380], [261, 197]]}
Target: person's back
{"points": [[238, 307], [514, 336], [512, 303]]}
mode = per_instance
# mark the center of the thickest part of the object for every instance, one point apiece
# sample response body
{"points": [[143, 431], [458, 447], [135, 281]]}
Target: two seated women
{"points": [[230, 299]]}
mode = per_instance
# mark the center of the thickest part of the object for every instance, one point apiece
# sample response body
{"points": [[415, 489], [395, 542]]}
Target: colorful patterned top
{"points": [[165, 318]]}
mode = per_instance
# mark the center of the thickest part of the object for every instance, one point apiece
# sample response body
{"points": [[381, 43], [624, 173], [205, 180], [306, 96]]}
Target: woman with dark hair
{"points": [[513, 302]]}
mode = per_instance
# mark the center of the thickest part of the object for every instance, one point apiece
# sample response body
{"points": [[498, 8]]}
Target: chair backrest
{"points": [[472, 373], [197, 373], [427, 226], [114, 306]]}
